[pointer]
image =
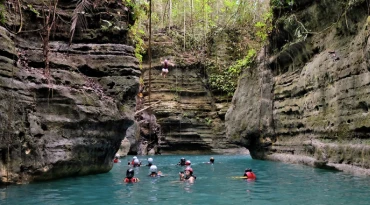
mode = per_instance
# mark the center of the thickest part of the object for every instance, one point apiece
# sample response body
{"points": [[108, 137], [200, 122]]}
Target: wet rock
{"points": [[124, 148]]}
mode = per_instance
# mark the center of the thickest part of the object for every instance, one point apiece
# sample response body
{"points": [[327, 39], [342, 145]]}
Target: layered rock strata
{"points": [[189, 116], [69, 120], [307, 99]]}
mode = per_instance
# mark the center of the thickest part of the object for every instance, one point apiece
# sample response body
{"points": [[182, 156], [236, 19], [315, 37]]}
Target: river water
{"points": [[277, 183]]}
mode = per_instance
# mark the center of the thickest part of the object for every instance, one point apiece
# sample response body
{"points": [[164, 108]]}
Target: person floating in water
{"points": [[154, 173], [116, 160], [188, 163], [130, 177], [136, 163], [165, 63], [182, 162], [132, 161], [211, 161], [188, 175], [249, 174], [150, 162]]}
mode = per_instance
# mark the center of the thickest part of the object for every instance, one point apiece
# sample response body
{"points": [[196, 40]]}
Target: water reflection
{"points": [[188, 187], [3, 194], [276, 183]]}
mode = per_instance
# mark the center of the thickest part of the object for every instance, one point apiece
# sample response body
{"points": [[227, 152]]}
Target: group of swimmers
{"points": [[187, 175]]}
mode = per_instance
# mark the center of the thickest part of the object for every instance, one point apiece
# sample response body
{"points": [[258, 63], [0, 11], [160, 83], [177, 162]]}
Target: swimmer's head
{"points": [[134, 158], [130, 173], [153, 168], [212, 159], [187, 163], [248, 170], [136, 161], [150, 160], [189, 169]]}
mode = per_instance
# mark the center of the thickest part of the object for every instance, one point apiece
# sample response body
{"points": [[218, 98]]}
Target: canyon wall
{"points": [[307, 99], [69, 119]]}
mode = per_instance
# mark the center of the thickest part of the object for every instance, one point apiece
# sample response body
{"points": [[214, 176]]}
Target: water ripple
{"points": [[277, 183]]}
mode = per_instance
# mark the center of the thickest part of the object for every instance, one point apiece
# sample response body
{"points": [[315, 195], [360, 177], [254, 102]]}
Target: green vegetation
{"points": [[208, 121], [282, 3], [227, 81], [219, 32], [139, 10], [264, 27], [2, 12], [33, 10], [176, 89]]}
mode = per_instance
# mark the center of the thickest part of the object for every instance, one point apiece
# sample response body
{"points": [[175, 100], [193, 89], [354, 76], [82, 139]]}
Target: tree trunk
{"points": [[184, 26], [170, 13]]}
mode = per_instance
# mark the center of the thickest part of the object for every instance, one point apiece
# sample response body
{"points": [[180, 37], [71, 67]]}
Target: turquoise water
{"points": [[276, 183]]}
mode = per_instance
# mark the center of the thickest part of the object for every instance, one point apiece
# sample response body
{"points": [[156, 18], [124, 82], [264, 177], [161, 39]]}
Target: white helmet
{"points": [[153, 168], [134, 158], [136, 161], [117, 155], [150, 160], [188, 163]]}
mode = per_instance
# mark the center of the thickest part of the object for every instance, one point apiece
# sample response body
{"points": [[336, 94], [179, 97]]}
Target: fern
{"points": [[78, 17], [2, 13]]}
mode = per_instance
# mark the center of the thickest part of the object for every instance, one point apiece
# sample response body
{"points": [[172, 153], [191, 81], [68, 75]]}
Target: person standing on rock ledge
{"points": [[166, 63]]}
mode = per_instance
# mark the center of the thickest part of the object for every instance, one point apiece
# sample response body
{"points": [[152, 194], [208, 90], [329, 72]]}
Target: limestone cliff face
{"points": [[72, 121], [189, 115], [307, 100]]}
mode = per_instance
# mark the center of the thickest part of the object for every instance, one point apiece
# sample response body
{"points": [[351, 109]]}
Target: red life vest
{"points": [[251, 175], [115, 160], [132, 180]]}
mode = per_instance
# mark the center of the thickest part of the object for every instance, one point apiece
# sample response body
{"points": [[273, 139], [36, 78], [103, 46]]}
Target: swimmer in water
{"points": [[188, 175], [188, 163], [132, 161], [182, 162], [150, 162], [136, 163], [249, 174], [211, 161], [116, 160], [130, 177], [153, 171]]}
